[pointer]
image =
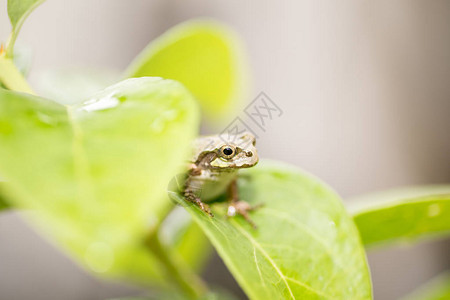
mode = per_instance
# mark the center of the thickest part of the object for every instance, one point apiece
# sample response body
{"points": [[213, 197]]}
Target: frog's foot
{"points": [[197, 201], [242, 208]]}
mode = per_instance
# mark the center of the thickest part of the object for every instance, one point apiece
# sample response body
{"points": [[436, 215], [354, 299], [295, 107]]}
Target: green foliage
{"points": [[404, 215], [203, 55], [11, 78], [305, 247], [3, 203], [95, 173], [187, 239], [18, 11]]}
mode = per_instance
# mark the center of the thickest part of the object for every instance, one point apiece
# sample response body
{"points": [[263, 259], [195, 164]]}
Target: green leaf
{"points": [[193, 247], [437, 289], [18, 11], [404, 215], [3, 203], [305, 247], [11, 77], [70, 85], [205, 56], [186, 239], [95, 173]]}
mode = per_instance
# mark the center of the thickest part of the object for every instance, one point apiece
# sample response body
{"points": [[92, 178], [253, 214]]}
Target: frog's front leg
{"points": [[238, 207], [189, 191], [193, 198]]}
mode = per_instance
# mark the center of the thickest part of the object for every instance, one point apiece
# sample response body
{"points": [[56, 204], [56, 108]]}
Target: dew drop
{"points": [[99, 257], [157, 126], [46, 119], [161, 121], [109, 101]]}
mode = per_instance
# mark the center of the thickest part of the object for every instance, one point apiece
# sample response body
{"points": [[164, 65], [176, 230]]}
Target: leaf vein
{"points": [[308, 287], [266, 255], [307, 231]]}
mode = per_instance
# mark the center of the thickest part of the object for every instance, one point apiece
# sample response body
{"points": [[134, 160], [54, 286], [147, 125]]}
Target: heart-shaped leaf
{"points": [[305, 247], [403, 215], [205, 56], [96, 173]]}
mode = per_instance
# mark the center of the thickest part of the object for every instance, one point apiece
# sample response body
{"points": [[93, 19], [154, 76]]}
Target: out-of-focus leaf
{"points": [[194, 247], [205, 56], [95, 173], [3, 204], [18, 11], [11, 78], [403, 215], [186, 239], [70, 85], [437, 289], [305, 247]]}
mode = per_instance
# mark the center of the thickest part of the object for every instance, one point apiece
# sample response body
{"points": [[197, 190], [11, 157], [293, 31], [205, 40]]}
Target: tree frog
{"points": [[213, 171]]}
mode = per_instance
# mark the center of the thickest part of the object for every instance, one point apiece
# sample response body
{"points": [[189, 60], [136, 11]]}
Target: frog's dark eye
{"points": [[227, 151]]}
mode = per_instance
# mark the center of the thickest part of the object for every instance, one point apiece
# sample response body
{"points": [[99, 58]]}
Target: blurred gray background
{"points": [[364, 86]]}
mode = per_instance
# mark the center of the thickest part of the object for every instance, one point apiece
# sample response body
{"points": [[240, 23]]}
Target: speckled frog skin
{"points": [[214, 169]]}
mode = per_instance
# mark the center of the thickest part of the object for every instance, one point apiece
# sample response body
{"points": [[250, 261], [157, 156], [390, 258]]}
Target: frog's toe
{"points": [[242, 208]]}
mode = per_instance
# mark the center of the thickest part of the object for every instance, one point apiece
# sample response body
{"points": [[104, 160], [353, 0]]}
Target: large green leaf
{"points": [[437, 289], [404, 215], [95, 173], [205, 56], [305, 247], [18, 11]]}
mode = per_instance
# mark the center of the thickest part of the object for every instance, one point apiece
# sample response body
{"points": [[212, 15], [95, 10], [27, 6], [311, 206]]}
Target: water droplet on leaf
{"points": [[95, 104]]}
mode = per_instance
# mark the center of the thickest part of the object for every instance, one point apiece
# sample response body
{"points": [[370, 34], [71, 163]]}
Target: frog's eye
{"points": [[227, 151]]}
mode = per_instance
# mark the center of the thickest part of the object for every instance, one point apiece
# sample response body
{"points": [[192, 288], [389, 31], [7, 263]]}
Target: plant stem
{"points": [[187, 281]]}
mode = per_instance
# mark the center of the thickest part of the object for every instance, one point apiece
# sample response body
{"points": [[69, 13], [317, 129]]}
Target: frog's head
{"points": [[235, 152]]}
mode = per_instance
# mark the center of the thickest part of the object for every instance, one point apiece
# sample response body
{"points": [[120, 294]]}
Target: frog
{"points": [[213, 171]]}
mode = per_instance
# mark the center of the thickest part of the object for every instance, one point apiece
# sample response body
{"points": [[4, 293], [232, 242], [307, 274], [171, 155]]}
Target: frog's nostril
{"points": [[249, 153]]}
